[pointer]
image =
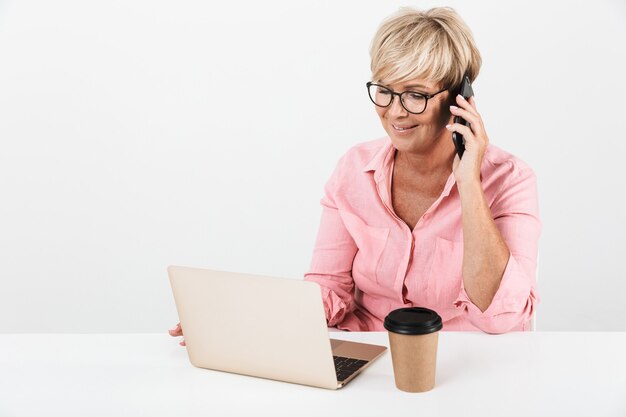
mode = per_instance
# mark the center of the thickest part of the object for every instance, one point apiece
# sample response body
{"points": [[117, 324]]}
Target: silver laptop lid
{"points": [[254, 325]]}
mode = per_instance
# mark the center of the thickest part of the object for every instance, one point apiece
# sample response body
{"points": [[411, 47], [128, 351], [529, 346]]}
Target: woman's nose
{"points": [[396, 108]]}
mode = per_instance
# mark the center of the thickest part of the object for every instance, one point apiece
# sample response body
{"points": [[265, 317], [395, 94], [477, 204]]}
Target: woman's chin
{"points": [[403, 143]]}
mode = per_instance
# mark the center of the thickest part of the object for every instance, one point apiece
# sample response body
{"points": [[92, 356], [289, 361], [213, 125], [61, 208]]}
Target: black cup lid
{"points": [[413, 321]]}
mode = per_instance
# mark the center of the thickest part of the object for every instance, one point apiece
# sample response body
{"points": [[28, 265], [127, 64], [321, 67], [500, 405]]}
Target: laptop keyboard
{"points": [[344, 367]]}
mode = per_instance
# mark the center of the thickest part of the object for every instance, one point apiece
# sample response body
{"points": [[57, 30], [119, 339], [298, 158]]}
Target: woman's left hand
{"points": [[467, 169]]}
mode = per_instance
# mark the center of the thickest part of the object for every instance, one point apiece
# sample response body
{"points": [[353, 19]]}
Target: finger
{"points": [[182, 343], [462, 129], [176, 331], [472, 102], [464, 104], [470, 117]]}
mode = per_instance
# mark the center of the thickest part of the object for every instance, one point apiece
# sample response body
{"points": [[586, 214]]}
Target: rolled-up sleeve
{"points": [[516, 214], [333, 255]]}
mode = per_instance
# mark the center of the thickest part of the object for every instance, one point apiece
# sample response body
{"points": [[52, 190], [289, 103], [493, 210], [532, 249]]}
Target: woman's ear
{"points": [[450, 101], [451, 97]]}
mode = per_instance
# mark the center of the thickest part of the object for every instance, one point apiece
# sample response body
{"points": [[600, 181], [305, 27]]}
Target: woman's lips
{"points": [[403, 130]]}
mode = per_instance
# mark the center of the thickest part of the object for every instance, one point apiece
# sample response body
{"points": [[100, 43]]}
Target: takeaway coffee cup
{"points": [[413, 336]]}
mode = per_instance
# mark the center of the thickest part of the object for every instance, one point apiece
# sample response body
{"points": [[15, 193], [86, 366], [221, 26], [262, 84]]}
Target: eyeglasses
{"points": [[412, 101]]}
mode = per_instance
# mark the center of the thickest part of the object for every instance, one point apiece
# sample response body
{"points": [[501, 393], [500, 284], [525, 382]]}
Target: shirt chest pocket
{"points": [[443, 282], [371, 242]]}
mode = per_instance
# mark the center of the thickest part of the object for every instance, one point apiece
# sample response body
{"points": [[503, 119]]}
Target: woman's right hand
{"points": [[177, 331]]}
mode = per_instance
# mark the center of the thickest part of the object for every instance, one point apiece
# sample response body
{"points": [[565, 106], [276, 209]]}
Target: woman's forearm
{"points": [[485, 253]]}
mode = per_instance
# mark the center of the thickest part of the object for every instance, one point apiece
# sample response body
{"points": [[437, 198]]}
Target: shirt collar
{"points": [[381, 160]]}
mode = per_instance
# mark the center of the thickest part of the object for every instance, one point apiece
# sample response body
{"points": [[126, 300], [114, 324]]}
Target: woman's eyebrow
{"points": [[408, 87], [416, 85]]}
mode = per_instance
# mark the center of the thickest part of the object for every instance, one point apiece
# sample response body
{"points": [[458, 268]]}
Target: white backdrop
{"points": [[137, 134]]}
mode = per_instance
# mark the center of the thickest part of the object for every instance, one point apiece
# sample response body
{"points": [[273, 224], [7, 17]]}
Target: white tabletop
{"points": [[516, 374]]}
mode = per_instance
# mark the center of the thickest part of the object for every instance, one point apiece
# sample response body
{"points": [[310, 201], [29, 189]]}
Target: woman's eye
{"points": [[383, 91], [416, 96]]}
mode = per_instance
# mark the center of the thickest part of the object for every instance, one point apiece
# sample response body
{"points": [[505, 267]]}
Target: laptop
{"points": [[265, 327]]}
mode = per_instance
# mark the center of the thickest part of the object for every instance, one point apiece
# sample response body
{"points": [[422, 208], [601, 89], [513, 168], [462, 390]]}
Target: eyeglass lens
{"points": [[413, 102]]}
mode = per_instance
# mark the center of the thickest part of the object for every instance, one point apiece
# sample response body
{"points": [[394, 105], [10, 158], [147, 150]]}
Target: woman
{"points": [[405, 221]]}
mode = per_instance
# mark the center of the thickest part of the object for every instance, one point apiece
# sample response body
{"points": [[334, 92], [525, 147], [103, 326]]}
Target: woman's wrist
{"points": [[469, 186]]}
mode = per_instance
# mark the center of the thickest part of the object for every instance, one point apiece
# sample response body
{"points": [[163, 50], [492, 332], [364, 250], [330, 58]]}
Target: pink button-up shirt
{"points": [[368, 262]]}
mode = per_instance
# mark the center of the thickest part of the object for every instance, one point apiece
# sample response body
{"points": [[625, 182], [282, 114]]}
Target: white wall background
{"points": [[137, 134]]}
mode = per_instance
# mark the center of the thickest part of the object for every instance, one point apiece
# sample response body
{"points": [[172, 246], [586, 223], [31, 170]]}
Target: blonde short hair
{"points": [[435, 45]]}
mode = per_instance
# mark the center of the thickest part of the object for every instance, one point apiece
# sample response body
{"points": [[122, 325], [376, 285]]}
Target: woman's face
{"points": [[417, 133]]}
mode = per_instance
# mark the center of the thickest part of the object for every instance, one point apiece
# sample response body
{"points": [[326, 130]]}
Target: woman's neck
{"points": [[435, 163]]}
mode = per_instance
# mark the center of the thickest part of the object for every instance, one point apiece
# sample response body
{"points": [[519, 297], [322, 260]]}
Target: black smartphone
{"points": [[466, 91]]}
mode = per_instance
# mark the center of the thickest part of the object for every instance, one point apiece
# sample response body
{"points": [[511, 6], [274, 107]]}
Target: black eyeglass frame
{"points": [[393, 94]]}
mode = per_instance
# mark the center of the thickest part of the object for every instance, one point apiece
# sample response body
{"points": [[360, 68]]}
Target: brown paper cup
{"points": [[414, 360], [413, 339]]}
